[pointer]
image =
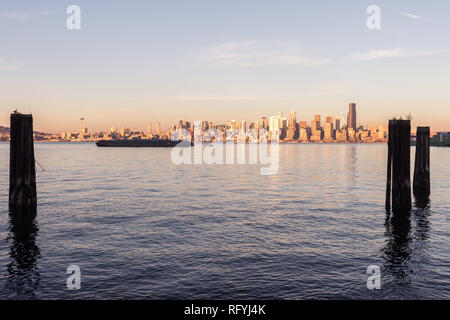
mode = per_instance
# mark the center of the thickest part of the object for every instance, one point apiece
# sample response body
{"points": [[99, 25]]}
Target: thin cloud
{"points": [[222, 98], [391, 53], [206, 97], [9, 66], [24, 15], [254, 54], [412, 16]]}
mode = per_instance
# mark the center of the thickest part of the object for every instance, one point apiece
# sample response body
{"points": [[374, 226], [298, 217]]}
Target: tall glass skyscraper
{"points": [[351, 117]]}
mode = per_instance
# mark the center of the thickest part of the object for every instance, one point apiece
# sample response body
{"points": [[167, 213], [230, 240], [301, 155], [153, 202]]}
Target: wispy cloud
{"points": [[23, 15], [391, 53], [221, 98], [254, 54], [9, 65], [412, 16], [208, 97]]}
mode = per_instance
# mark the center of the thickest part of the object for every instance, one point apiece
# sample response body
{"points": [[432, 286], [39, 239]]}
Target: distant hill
{"points": [[4, 130]]}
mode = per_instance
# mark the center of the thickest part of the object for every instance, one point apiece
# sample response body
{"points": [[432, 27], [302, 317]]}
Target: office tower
{"points": [[255, 127], [284, 123], [317, 119], [274, 123], [317, 136], [233, 125], [313, 127], [149, 129], [303, 124], [205, 126], [329, 124], [82, 126], [329, 130], [292, 120], [351, 134], [341, 135], [244, 125], [283, 126], [158, 128], [183, 124], [303, 134], [264, 123], [292, 127], [351, 117], [338, 124], [172, 129]]}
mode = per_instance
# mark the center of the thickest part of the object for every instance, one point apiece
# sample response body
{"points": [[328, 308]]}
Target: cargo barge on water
{"points": [[143, 143]]}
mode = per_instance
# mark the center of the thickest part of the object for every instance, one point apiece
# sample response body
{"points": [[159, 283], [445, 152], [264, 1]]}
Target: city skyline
{"points": [[341, 116], [280, 127], [222, 61]]}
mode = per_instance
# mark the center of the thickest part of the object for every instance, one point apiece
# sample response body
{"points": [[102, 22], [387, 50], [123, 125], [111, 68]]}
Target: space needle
{"points": [[81, 128]]}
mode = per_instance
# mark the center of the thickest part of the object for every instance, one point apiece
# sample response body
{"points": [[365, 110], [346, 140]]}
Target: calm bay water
{"points": [[141, 227]]}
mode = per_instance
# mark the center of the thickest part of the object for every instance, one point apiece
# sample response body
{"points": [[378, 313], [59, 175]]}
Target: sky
{"points": [[134, 62]]}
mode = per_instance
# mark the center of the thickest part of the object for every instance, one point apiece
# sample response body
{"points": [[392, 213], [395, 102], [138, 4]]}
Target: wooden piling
{"points": [[22, 172], [400, 145], [421, 184], [389, 171]]}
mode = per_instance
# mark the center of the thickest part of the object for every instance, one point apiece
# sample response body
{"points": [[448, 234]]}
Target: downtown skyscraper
{"points": [[351, 117]]}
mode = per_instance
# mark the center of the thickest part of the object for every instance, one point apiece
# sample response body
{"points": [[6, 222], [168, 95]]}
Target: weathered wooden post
{"points": [[22, 172], [421, 184], [389, 170], [400, 145]]}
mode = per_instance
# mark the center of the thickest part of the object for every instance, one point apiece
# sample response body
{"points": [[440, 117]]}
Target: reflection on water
{"points": [[406, 247], [421, 216], [351, 165], [397, 251], [422, 202], [140, 227], [23, 273]]}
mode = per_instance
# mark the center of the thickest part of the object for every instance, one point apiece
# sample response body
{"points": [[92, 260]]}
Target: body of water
{"points": [[141, 227]]}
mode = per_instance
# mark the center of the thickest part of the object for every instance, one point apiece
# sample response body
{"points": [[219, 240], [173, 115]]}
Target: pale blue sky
{"points": [[139, 61]]}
